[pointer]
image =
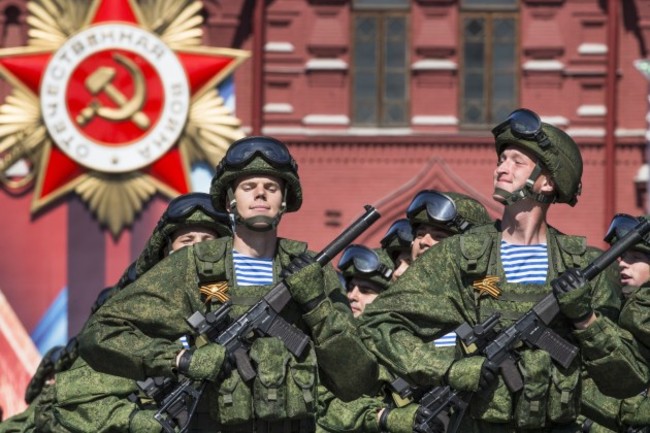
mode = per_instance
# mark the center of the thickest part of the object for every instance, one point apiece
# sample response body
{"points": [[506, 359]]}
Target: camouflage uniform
{"points": [[83, 399], [430, 300], [361, 415], [134, 334]]}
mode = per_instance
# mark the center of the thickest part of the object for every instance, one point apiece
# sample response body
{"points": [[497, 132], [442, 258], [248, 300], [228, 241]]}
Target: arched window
{"points": [[489, 87], [379, 73]]}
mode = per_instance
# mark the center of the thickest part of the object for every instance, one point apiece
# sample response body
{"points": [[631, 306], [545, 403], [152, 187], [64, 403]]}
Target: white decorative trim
{"points": [[622, 132], [326, 64], [278, 107], [279, 47], [555, 120], [592, 49], [543, 65], [643, 174], [586, 132], [434, 65], [434, 120], [592, 110], [326, 119], [354, 131]]}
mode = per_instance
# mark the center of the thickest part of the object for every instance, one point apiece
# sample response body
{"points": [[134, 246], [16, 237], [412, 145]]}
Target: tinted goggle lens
{"points": [[364, 259], [523, 123], [439, 207], [621, 225], [241, 153], [183, 206], [401, 230]]}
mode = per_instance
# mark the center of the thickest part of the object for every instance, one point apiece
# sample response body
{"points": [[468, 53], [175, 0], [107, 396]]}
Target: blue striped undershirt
{"points": [[524, 263], [447, 340], [252, 271]]}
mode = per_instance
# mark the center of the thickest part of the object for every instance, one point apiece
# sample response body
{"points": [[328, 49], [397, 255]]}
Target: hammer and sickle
{"points": [[100, 81]]}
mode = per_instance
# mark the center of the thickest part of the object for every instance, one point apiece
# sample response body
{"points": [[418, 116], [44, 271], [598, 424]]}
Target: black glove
{"points": [[489, 374], [435, 425], [573, 294], [297, 264]]}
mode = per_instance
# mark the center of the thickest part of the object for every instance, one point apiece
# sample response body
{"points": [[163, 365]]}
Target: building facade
{"points": [[377, 99]]}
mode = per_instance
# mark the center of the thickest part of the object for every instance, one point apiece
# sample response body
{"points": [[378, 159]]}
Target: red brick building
{"points": [[378, 99]]}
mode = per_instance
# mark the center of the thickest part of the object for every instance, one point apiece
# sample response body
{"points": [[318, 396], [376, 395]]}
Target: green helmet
{"points": [[362, 262], [621, 225], [556, 150], [451, 211], [397, 239], [188, 210], [256, 156]]}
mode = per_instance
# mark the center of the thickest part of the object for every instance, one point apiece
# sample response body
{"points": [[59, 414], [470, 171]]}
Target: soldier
{"points": [[396, 244], [188, 219], [633, 413], [134, 334], [608, 345], [366, 273], [538, 165], [435, 216]]}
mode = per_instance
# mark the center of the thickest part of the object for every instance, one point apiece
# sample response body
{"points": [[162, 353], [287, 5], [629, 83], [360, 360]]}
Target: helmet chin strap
{"points": [[510, 198], [258, 223]]}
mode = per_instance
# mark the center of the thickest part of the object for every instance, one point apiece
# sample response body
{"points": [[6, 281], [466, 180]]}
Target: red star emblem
{"points": [[99, 99]]}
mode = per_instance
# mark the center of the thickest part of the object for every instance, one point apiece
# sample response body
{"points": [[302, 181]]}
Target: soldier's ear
{"points": [[548, 184]]}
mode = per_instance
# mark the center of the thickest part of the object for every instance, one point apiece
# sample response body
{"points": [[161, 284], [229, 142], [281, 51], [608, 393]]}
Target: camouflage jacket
{"points": [[135, 334], [82, 399], [624, 348], [439, 292]]}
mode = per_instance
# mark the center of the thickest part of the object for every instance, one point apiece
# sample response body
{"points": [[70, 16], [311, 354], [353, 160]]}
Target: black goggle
{"points": [[621, 225], [400, 230], [184, 205], [525, 124], [242, 152], [440, 209], [364, 260]]}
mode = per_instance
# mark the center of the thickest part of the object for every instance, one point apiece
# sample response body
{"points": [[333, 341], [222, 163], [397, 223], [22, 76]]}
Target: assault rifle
{"points": [[531, 329], [262, 319]]}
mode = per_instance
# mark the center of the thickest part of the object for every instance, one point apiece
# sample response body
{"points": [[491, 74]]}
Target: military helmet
{"points": [[257, 155], [451, 211], [556, 150], [621, 225], [398, 238], [362, 262], [193, 209]]}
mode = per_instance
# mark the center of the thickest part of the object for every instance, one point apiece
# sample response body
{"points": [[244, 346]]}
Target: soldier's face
{"points": [[425, 237], [190, 235], [634, 268], [258, 196], [402, 263], [514, 167], [361, 293]]}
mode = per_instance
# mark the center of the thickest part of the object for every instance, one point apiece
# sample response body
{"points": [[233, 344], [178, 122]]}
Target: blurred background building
{"points": [[377, 99]]}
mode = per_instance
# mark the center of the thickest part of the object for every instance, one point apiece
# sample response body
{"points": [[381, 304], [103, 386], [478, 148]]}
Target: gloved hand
{"points": [[474, 373], [203, 363], [573, 294], [435, 425], [307, 286], [298, 262]]}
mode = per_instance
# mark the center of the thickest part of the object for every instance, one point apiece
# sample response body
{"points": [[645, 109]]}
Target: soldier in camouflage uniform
{"points": [[605, 413], [134, 334], [432, 216], [396, 246], [538, 164], [65, 394]]}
